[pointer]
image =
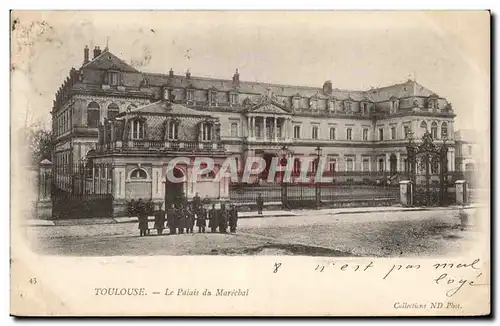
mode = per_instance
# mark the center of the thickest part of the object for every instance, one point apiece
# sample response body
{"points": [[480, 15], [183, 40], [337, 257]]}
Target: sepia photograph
{"points": [[349, 141]]}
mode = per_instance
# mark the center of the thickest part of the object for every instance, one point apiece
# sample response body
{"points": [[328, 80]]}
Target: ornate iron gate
{"points": [[427, 168], [82, 191]]}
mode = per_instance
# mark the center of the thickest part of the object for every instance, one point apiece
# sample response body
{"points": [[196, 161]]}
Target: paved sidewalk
{"points": [[281, 213]]}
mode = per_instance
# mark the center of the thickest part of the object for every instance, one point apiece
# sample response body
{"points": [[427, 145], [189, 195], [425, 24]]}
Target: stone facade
{"points": [[179, 114]]}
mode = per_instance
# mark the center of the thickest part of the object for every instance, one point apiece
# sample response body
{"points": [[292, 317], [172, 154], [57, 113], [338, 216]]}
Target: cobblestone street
{"points": [[389, 234]]}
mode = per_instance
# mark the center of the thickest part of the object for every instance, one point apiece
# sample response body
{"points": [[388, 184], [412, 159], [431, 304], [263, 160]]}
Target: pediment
{"points": [[270, 107]]}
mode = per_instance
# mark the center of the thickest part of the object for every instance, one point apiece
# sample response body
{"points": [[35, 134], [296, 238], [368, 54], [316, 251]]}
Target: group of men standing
{"points": [[182, 218]]}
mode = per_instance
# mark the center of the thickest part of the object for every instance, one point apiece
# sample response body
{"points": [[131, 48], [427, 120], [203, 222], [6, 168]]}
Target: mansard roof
{"points": [[167, 108], [133, 77]]}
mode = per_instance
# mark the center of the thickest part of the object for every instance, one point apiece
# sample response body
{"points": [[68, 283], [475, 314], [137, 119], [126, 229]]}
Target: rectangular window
{"points": [[365, 134], [113, 78], [393, 133], [296, 166], [406, 130], [234, 129], [137, 130], [296, 132], [315, 132], [366, 164], [349, 134], [258, 133], [207, 132], [350, 165], [332, 165], [381, 134], [332, 133]]}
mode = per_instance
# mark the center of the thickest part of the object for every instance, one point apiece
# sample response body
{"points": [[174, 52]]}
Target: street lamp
{"points": [[284, 195], [317, 185]]}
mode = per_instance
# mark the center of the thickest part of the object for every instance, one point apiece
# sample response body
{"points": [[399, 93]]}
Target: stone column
{"points": [[253, 127], [398, 161], [264, 120], [119, 182], [448, 157], [453, 160], [387, 162], [249, 122], [285, 129], [44, 202], [275, 129], [157, 188]]}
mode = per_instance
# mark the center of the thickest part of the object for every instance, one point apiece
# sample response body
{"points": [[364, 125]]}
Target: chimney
{"points": [[171, 73], [95, 53], [236, 78], [188, 74], [327, 87], [98, 51], [86, 54]]}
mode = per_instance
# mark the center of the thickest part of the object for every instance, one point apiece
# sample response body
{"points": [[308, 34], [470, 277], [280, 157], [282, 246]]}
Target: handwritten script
{"points": [[446, 272]]}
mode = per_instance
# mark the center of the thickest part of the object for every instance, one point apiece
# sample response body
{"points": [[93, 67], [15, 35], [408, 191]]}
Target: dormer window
{"points": [[233, 98], [296, 102], [347, 106], [213, 98], [190, 95], [364, 107], [394, 106], [112, 78], [167, 94], [313, 104]]}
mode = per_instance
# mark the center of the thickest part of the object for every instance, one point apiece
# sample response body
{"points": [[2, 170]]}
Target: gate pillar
{"points": [[461, 190], [44, 200], [406, 192]]}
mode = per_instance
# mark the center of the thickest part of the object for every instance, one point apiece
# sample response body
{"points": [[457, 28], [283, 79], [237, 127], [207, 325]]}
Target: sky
{"points": [[447, 52]]}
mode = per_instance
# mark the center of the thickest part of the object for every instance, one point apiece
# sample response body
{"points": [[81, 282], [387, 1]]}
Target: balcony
{"points": [[145, 145]]}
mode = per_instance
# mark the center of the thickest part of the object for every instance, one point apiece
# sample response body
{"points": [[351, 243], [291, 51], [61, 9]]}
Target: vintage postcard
{"points": [[250, 163]]}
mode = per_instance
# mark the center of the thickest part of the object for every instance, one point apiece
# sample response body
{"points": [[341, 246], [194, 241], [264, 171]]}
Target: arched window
{"points": [[138, 174], [444, 130], [137, 129], [423, 126], [434, 130], [93, 114], [113, 110]]}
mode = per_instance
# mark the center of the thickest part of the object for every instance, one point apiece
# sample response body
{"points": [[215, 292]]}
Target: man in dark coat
{"points": [[159, 219], [201, 220], [223, 219], [171, 219], [190, 218], [181, 219], [142, 217], [233, 219], [213, 222], [196, 203], [260, 204]]}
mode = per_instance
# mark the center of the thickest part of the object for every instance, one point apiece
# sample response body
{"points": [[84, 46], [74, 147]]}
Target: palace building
{"points": [[110, 112]]}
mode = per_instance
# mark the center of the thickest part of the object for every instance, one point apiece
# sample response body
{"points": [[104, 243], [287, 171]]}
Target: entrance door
{"points": [[174, 191]]}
